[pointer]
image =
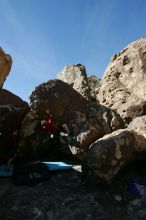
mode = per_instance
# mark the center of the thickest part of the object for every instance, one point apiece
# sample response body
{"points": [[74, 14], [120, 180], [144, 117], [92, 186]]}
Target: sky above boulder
{"points": [[42, 36]]}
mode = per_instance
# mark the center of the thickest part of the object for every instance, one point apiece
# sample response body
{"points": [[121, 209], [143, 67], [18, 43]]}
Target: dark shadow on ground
{"points": [[67, 195]]}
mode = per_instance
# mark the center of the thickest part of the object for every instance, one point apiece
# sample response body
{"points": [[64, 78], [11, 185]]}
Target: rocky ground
{"points": [[68, 195]]}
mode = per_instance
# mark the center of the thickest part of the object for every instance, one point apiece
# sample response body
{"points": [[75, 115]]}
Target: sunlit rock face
{"points": [[87, 121], [76, 76], [124, 82], [109, 154], [5, 66], [138, 125], [12, 111]]}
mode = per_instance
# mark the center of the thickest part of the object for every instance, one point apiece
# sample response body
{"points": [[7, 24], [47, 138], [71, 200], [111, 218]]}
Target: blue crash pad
{"points": [[4, 171], [58, 165]]}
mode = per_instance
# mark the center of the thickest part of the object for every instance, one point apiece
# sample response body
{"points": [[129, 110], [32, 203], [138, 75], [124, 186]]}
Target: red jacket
{"points": [[49, 125]]}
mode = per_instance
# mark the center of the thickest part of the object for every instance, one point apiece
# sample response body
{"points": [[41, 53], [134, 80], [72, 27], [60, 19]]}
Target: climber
{"points": [[48, 124]]}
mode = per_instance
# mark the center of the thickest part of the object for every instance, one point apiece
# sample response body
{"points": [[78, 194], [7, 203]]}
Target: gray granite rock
{"points": [[5, 66], [124, 82]]}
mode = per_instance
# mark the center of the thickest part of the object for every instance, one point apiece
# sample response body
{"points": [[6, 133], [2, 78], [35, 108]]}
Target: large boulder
{"points": [[87, 121], [108, 155], [124, 82], [76, 76], [12, 111], [59, 98], [5, 66], [63, 103], [8, 98]]}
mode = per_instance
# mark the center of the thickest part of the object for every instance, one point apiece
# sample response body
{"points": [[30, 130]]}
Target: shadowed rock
{"points": [[108, 155], [7, 97], [12, 111], [87, 121]]}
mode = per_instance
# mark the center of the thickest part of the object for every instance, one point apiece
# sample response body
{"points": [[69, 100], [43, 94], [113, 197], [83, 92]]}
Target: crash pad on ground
{"points": [[5, 172], [58, 165]]}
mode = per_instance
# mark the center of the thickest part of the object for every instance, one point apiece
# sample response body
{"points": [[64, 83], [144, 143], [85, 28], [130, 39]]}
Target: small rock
{"points": [[135, 202], [118, 198], [130, 209], [142, 213]]}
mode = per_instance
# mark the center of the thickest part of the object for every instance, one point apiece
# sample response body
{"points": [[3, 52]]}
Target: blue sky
{"points": [[42, 36]]}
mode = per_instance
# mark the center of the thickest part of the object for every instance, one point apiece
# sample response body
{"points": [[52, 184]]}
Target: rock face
{"points": [[86, 121], [138, 125], [12, 111], [59, 97], [8, 98], [5, 66], [63, 103], [124, 82], [75, 75], [94, 85], [34, 142], [108, 155]]}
